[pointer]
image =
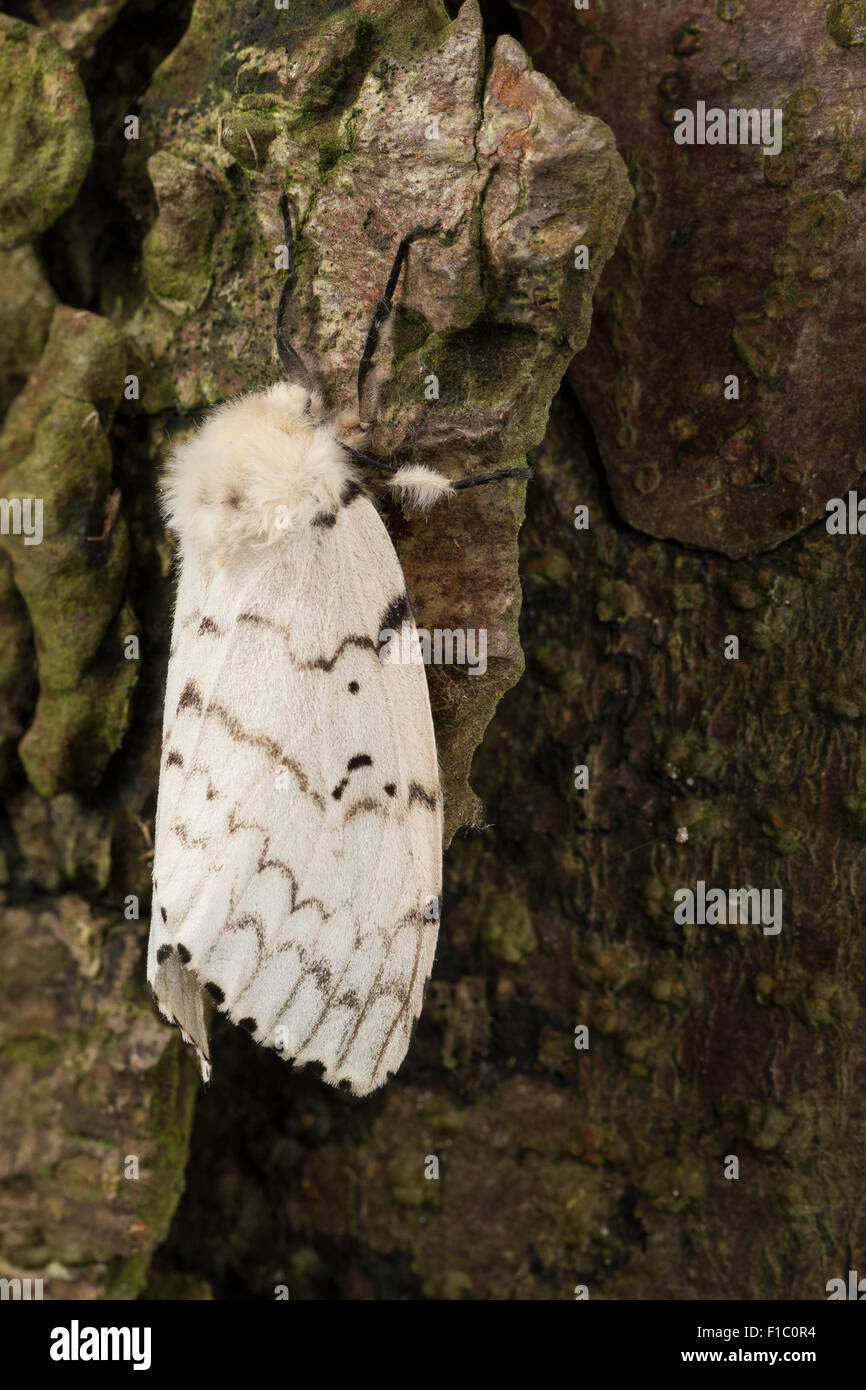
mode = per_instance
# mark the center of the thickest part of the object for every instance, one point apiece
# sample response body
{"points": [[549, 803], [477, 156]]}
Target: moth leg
{"points": [[291, 362]]}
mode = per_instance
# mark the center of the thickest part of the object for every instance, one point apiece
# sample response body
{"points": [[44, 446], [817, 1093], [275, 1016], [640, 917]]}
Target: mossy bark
{"points": [[507, 1160], [608, 1165], [373, 118]]}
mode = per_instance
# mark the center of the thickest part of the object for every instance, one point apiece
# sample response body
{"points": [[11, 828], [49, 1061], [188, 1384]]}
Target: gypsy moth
{"points": [[298, 838]]}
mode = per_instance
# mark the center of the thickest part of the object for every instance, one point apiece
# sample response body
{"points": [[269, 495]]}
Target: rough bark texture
{"points": [[602, 1166], [732, 261], [606, 1166], [375, 117]]}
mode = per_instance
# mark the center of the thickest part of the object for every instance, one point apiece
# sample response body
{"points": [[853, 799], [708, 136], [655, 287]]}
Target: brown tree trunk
{"points": [[614, 1099]]}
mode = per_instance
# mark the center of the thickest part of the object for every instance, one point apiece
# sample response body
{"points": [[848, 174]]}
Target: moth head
{"points": [[256, 470]]}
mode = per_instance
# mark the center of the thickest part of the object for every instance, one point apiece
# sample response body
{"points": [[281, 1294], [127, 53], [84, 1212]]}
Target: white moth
{"points": [[298, 841]]}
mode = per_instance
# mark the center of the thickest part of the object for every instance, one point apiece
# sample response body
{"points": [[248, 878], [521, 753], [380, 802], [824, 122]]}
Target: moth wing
{"points": [[297, 870]]}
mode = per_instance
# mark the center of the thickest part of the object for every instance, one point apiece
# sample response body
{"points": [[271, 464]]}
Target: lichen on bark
{"points": [[55, 455], [376, 122], [373, 118], [45, 137]]}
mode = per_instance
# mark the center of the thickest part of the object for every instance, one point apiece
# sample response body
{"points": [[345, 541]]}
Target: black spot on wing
{"points": [[351, 490], [354, 687], [190, 697], [419, 793], [317, 1069], [174, 758], [163, 914], [398, 612], [249, 1025], [325, 519], [216, 994], [207, 625], [184, 954], [358, 760], [390, 788], [163, 954]]}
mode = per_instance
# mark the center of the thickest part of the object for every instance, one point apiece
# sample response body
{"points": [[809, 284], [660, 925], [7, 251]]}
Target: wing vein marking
{"points": [[406, 1000], [348, 580], [261, 866], [239, 734], [289, 763], [387, 699], [254, 584], [412, 914]]}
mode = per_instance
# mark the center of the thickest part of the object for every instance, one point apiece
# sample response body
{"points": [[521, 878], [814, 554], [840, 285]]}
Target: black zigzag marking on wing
{"points": [[379, 991], [313, 968], [358, 760], [187, 839], [191, 698], [420, 794], [398, 612], [252, 920], [366, 803], [321, 663], [375, 992]]}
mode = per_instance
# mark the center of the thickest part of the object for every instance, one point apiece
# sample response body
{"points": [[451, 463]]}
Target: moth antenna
{"points": [[292, 364], [365, 459], [420, 486], [483, 478], [381, 314], [424, 485]]}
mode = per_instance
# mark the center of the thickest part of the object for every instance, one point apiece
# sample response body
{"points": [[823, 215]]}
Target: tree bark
{"points": [[163, 254]]}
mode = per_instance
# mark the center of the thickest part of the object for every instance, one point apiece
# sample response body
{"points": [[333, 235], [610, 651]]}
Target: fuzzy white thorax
{"points": [[259, 467]]}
